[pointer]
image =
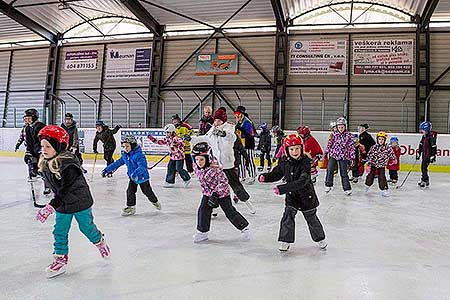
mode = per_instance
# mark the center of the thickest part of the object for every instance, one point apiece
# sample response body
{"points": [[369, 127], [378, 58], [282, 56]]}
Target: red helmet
{"points": [[304, 131], [292, 140], [56, 133]]}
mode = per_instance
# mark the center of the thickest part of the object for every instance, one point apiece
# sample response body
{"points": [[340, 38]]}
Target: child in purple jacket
{"points": [[341, 152], [216, 192]]}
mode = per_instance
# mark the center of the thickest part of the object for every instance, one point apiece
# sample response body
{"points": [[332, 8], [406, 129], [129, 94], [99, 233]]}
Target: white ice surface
{"points": [[378, 248]]}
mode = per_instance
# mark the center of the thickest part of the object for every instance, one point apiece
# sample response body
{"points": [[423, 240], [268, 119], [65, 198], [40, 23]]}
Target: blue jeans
{"points": [[86, 224], [176, 165]]}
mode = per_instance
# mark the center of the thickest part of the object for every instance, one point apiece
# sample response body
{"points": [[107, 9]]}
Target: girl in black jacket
{"points": [[299, 191], [72, 199]]}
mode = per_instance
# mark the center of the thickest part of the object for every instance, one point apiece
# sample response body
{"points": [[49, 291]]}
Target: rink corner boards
{"points": [[156, 158]]}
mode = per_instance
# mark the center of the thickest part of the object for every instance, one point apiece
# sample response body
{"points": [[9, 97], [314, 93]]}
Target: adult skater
{"points": [[70, 125], [365, 138], [246, 131], [311, 148], [221, 138], [377, 160], [206, 121], [33, 147], [299, 191], [106, 136], [21, 137], [176, 162], [216, 192], [133, 157], [265, 146], [341, 152], [428, 150], [185, 132], [72, 197]]}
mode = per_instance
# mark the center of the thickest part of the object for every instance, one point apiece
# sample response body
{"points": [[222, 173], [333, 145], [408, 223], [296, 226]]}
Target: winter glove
{"points": [[433, 159], [17, 147], [44, 213], [213, 201], [417, 156], [219, 132], [28, 158], [261, 178], [105, 173], [276, 191], [119, 126], [151, 138]]}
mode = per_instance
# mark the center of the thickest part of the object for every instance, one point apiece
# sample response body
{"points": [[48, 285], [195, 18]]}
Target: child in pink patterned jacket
{"points": [[176, 162], [216, 192]]}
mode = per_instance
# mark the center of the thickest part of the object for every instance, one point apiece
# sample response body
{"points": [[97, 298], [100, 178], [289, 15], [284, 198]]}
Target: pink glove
{"points": [[151, 138], [276, 191], [368, 169], [261, 178], [44, 212]]}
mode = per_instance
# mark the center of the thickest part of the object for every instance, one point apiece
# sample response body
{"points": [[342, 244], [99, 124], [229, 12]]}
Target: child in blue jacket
{"points": [[134, 158]]}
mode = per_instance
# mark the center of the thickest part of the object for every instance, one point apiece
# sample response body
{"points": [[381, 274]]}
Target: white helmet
{"points": [[332, 124], [341, 121], [169, 128]]}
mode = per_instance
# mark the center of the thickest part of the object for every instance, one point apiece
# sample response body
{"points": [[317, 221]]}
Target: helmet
{"points": [[129, 138], [383, 135], [341, 121], [275, 128], [365, 126], [201, 149], [56, 135], [176, 117], [426, 126], [355, 136], [304, 131], [332, 124], [68, 115], [169, 128], [263, 126], [33, 113], [393, 139], [100, 123], [292, 140]]}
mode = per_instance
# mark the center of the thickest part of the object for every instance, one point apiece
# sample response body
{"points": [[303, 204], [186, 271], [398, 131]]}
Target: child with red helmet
{"points": [[312, 148], [295, 167], [73, 199]]}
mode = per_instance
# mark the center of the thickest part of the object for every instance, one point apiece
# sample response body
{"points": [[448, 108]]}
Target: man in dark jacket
{"points": [[365, 138], [33, 145], [106, 135], [206, 121], [264, 145], [70, 125]]}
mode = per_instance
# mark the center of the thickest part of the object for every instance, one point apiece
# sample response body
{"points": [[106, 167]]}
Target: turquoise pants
{"points": [[86, 224]]}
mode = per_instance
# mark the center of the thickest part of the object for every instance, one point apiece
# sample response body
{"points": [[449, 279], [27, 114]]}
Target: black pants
{"points": [[343, 169], [265, 155], [78, 155], [236, 185], [204, 214], [287, 225], [382, 182], [393, 175], [188, 161], [108, 156], [145, 188], [424, 168]]}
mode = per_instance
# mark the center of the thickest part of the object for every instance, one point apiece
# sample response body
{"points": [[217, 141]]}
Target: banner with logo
{"points": [[128, 63], [81, 60], [148, 147], [383, 57], [318, 57], [217, 64]]}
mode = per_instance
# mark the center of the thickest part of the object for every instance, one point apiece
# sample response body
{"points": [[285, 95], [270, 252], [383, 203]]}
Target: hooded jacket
{"points": [[31, 138], [341, 146], [136, 164], [107, 138], [72, 130], [379, 156], [212, 180]]}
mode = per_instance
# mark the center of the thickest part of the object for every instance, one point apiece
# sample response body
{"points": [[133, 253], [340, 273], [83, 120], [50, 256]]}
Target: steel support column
{"points": [[144, 16], [50, 83], [8, 84], [156, 64]]}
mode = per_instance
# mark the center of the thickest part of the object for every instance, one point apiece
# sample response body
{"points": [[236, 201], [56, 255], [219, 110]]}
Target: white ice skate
{"points": [[246, 234], [214, 212], [186, 183], [157, 204], [57, 267], [103, 247], [327, 189], [322, 244], [348, 192], [385, 193], [200, 237], [250, 207], [284, 246], [423, 184], [168, 185], [128, 211]]}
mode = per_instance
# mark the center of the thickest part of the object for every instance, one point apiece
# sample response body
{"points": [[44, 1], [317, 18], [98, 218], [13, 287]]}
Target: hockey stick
{"points": [[407, 175], [33, 196], [159, 161], [93, 167]]}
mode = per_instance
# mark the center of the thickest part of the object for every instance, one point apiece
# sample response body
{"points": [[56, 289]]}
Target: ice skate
{"points": [[327, 189], [385, 193], [284, 246], [322, 244], [168, 185], [157, 204], [57, 267], [83, 170], [348, 192], [422, 184], [214, 212], [246, 234], [200, 237], [355, 179], [187, 183], [109, 175], [394, 181], [103, 247], [250, 207], [128, 211]]}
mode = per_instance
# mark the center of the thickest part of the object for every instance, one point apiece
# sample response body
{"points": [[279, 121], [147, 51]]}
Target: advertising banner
{"points": [[383, 57], [147, 146], [217, 64], [321, 57], [81, 60], [128, 63]]}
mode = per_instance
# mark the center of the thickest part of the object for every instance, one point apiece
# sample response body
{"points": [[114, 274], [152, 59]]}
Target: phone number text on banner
{"points": [[147, 146], [81, 60]]}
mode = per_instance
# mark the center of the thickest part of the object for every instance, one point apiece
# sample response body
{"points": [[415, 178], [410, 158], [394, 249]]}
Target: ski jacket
{"points": [[205, 124], [212, 180], [136, 164], [341, 146], [72, 130], [379, 155], [312, 147], [427, 145], [299, 189], [366, 140], [246, 132], [175, 144], [72, 192], [265, 141], [107, 138], [185, 132], [394, 165], [31, 138]]}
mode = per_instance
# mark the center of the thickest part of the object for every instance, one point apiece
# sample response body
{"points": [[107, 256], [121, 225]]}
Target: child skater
{"points": [[299, 191], [394, 166], [176, 162], [359, 161], [72, 199], [264, 145], [378, 158], [311, 147], [216, 192], [134, 158], [428, 150]]}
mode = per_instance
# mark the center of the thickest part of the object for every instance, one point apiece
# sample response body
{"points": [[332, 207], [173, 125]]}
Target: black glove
{"points": [[28, 158], [417, 156], [104, 173], [213, 201], [433, 159], [119, 126], [17, 147]]}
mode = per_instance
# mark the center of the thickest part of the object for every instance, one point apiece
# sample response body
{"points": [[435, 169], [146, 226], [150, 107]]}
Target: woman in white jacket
{"points": [[221, 138]]}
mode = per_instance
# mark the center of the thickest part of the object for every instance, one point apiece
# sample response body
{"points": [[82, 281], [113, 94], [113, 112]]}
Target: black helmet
{"points": [[176, 117], [33, 113], [68, 115], [201, 149], [100, 123]]}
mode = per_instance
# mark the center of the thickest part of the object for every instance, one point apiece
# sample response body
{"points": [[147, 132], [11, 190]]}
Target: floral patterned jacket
{"points": [[212, 180], [341, 146], [379, 156], [175, 144]]}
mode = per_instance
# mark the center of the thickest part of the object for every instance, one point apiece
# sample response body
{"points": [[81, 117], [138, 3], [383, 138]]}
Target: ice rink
{"points": [[378, 248]]}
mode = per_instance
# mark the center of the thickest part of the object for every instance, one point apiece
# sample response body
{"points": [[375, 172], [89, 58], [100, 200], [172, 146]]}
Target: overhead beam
{"points": [[279, 15], [144, 16], [25, 21], [428, 11]]}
